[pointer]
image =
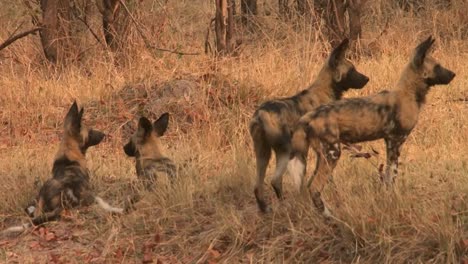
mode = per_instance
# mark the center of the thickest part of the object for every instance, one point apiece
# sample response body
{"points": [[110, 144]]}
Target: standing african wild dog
{"points": [[145, 146], [272, 123], [388, 115], [69, 185]]}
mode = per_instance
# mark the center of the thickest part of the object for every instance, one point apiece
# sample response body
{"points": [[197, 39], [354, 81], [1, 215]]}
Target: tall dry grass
{"points": [[210, 215]]}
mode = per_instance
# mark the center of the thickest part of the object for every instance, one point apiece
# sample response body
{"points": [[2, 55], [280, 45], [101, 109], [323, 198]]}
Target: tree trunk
{"points": [[109, 10], [354, 13], [224, 26], [336, 21], [55, 15], [115, 23], [248, 10]]}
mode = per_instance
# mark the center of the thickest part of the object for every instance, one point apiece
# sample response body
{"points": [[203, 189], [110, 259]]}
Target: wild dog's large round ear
{"points": [[421, 51], [144, 127], [160, 125], [338, 53], [94, 137], [72, 121]]}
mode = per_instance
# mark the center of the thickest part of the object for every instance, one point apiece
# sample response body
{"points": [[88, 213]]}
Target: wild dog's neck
{"points": [[326, 85], [414, 85], [151, 149], [70, 149]]}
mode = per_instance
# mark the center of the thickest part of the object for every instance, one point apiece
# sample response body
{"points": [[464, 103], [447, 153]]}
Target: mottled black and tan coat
{"points": [[70, 182], [145, 146], [389, 115], [273, 122]]}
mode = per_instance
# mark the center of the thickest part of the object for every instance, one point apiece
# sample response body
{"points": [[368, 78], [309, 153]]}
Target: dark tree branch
{"points": [[145, 39], [14, 38]]}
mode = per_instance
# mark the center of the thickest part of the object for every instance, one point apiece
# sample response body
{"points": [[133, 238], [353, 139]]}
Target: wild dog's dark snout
{"points": [[130, 149], [441, 76], [357, 80], [95, 137]]}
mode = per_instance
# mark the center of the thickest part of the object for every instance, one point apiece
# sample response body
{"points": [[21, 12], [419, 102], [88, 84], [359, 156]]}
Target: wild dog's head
{"points": [[76, 133], [343, 72], [427, 68], [145, 141]]}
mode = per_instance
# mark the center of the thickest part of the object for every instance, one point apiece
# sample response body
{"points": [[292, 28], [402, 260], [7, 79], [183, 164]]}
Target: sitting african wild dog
{"points": [[273, 122], [69, 185], [145, 146], [388, 115]]}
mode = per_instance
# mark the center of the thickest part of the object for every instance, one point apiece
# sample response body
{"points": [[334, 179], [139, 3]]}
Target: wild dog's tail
{"points": [[37, 220], [106, 206], [15, 230], [267, 126]]}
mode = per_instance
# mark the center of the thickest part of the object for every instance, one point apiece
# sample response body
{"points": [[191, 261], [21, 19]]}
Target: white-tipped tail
{"points": [[296, 169], [109, 208], [326, 212], [15, 229]]}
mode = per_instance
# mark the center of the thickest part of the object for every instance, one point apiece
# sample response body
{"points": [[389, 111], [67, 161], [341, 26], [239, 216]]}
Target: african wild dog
{"points": [[150, 160], [69, 185], [272, 123], [388, 115]]}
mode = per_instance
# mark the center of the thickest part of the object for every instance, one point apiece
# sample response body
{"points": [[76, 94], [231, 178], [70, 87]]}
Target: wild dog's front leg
{"points": [[327, 159], [393, 152]]}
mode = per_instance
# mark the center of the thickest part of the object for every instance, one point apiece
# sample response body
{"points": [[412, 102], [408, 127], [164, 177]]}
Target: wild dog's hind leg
{"points": [[297, 165], [283, 154], [262, 155], [393, 153], [327, 158]]}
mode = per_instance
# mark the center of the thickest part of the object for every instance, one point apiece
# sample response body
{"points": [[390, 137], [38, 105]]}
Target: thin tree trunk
{"points": [[109, 10], [55, 32], [49, 32], [224, 27], [354, 13]]}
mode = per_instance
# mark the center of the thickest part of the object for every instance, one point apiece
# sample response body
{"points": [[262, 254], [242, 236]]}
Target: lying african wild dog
{"points": [[388, 115], [145, 146], [69, 185], [272, 123]]}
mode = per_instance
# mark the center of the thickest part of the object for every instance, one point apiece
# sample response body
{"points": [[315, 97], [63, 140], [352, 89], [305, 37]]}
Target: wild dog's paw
{"points": [[30, 210]]}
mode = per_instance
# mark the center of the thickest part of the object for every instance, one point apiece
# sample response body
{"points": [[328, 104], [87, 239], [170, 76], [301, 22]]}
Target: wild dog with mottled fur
{"points": [[69, 185], [273, 122], [389, 115], [145, 146]]}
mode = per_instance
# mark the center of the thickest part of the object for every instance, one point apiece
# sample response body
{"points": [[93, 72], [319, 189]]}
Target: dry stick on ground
{"points": [[12, 39], [145, 39]]}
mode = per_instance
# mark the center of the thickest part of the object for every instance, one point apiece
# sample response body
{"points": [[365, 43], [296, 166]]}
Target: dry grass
{"points": [[210, 215]]}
